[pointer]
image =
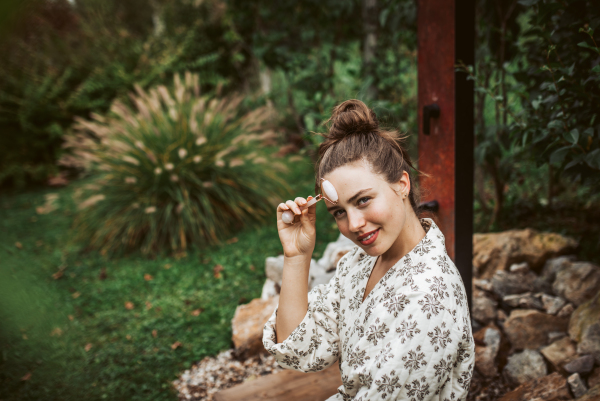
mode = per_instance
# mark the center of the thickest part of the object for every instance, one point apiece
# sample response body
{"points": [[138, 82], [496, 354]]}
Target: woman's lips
{"points": [[370, 238]]}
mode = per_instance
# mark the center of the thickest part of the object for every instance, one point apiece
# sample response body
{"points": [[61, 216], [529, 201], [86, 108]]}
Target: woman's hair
{"points": [[354, 134]]}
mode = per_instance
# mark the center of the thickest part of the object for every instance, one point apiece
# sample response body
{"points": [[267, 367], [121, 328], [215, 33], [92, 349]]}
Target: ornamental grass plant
{"points": [[171, 169]]}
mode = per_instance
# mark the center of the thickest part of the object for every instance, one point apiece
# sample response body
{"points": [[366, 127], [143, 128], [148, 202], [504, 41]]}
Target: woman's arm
{"points": [[293, 298]]}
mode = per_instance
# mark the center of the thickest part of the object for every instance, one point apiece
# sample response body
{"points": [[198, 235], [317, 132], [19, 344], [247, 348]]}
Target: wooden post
{"points": [[446, 37]]}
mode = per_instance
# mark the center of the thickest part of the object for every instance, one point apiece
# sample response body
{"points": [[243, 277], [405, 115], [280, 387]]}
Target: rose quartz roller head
{"points": [[327, 191]]}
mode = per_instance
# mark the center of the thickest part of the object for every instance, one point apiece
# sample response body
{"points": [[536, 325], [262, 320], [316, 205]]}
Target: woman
{"points": [[395, 314]]}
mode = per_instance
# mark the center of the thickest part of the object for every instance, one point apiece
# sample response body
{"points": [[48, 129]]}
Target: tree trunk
{"points": [[371, 27]]}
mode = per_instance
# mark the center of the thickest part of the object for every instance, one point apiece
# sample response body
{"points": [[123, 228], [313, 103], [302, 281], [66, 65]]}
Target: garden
{"points": [[145, 146]]}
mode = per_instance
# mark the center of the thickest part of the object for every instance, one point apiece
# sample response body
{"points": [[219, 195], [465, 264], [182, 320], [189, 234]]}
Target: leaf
{"points": [[175, 345], [88, 347], [559, 155], [217, 271], [129, 305], [587, 46], [596, 69], [154, 333], [589, 131], [148, 277], [148, 305], [76, 295], [572, 136], [232, 240], [19, 245], [26, 377], [56, 332], [593, 159], [555, 124], [197, 312]]}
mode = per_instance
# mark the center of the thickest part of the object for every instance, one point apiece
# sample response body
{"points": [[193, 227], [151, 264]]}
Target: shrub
{"points": [[172, 170]]}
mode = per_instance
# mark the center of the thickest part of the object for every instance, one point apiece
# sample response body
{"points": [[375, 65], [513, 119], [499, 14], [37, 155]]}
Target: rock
{"points": [[579, 283], [594, 377], [519, 268], [501, 316], [528, 328], [497, 251], [525, 366], [274, 269], [593, 394], [334, 252], [553, 387], [560, 352], [590, 342], [483, 309], [247, 326], [555, 335], [584, 316], [578, 387], [583, 364], [525, 301], [552, 305], [504, 283], [555, 265], [566, 310], [270, 289], [485, 355], [484, 285]]}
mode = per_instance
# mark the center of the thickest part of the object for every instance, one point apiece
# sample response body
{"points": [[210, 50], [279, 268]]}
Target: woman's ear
{"points": [[404, 183]]}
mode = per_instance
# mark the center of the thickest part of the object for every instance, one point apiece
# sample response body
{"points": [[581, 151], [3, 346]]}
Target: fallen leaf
{"points": [[88, 347], [58, 275], [154, 333], [175, 345], [232, 240], [76, 295], [128, 337], [217, 271], [148, 277], [19, 245], [197, 312], [148, 305], [39, 243], [252, 268], [158, 309], [26, 377], [168, 266], [129, 305], [103, 275], [25, 337], [56, 332], [71, 317]]}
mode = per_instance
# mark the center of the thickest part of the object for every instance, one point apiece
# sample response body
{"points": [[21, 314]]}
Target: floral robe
{"points": [[409, 340]]}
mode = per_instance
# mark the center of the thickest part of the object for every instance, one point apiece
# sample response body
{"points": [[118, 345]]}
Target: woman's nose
{"points": [[355, 221]]}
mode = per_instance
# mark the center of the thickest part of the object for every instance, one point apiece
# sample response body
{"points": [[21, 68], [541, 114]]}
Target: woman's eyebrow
{"points": [[352, 199]]}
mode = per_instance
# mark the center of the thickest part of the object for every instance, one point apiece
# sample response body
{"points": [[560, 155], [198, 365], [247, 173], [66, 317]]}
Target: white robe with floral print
{"points": [[409, 340]]}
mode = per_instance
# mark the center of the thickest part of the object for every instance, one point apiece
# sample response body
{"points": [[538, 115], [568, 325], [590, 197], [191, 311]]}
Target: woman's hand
{"points": [[298, 239]]}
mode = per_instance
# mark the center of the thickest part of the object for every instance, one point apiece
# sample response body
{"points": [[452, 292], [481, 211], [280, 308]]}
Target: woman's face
{"points": [[370, 211]]}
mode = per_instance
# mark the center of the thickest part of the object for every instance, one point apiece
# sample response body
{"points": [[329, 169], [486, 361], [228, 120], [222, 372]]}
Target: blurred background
{"points": [[144, 143]]}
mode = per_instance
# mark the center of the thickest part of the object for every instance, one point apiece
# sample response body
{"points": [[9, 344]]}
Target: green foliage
{"points": [[173, 170], [563, 83], [64, 60]]}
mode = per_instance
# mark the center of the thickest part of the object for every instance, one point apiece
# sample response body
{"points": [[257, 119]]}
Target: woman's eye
{"points": [[364, 200], [338, 213]]}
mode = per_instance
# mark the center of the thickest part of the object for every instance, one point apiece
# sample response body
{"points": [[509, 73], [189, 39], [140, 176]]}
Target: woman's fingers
{"points": [[293, 207]]}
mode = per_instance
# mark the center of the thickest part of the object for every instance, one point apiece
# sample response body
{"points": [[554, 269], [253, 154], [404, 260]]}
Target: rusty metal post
{"points": [[446, 36]]}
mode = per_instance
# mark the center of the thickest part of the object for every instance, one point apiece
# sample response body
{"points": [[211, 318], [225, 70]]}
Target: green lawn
{"points": [[47, 322]]}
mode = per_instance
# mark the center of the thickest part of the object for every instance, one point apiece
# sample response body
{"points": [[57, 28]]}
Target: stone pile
{"points": [[536, 318]]}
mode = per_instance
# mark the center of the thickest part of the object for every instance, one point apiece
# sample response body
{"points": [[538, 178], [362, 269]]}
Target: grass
{"points": [[129, 312]]}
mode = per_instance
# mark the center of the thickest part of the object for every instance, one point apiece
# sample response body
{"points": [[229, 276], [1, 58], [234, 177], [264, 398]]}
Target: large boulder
{"points": [[505, 283], [334, 252], [578, 283], [498, 251], [554, 265], [560, 353], [529, 328], [584, 316], [590, 342], [247, 326], [525, 366], [553, 387]]}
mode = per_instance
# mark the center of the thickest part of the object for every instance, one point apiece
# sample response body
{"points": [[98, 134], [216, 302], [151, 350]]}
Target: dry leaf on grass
{"points": [[175, 345], [148, 277], [148, 305], [57, 275], [76, 295], [197, 312], [168, 266], [56, 332], [154, 333], [129, 305], [217, 271], [88, 347], [232, 240], [19, 245], [26, 377]]}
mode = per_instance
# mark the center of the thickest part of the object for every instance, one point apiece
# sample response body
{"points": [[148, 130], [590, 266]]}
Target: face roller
{"points": [[327, 192]]}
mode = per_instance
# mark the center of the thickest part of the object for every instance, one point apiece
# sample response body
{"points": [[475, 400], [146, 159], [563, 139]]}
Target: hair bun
{"points": [[352, 117]]}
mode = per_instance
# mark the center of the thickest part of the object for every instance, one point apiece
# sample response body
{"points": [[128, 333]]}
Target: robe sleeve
{"points": [[314, 344], [427, 356]]}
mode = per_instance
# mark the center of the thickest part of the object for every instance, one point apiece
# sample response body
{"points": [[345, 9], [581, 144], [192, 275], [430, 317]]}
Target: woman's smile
{"points": [[368, 238]]}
